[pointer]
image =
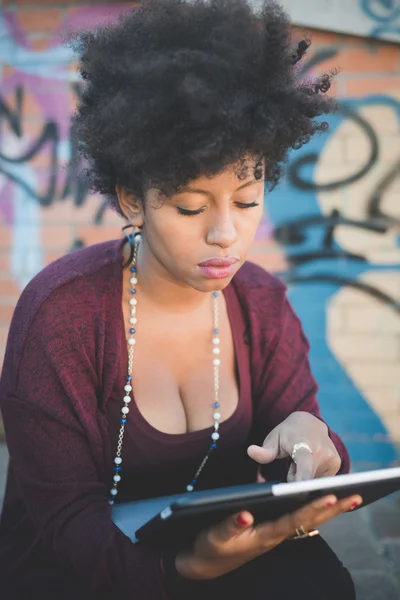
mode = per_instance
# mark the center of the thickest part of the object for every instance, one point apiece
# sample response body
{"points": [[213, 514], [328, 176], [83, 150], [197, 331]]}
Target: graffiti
{"points": [[320, 264], [316, 234], [385, 14]]}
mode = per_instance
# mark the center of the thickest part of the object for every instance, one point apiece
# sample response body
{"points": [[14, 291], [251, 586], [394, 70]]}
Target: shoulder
{"points": [[67, 297], [69, 271]]}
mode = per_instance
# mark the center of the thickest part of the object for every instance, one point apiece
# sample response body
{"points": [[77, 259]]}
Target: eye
{"points": [[247, 205], [189, 213]]}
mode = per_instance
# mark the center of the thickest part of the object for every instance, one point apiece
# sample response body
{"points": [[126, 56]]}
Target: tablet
{"points": [[175, 520]]}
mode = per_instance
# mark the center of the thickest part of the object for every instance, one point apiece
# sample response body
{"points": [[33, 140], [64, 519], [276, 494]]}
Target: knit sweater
{"points": [[61, 365]]}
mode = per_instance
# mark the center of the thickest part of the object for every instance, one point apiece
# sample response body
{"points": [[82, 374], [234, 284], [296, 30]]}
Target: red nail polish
{"points": [[330, 503], [241, 520], [354, 505]]}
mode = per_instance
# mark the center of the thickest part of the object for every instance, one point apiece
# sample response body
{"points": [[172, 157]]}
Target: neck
{"points": [[159, 288]]}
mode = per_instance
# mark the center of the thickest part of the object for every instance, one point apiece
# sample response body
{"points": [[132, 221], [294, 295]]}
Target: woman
{"points": [[144, 369]]}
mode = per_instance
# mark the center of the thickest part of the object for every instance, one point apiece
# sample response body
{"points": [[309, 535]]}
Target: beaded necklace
{"points": [[216, 361]]}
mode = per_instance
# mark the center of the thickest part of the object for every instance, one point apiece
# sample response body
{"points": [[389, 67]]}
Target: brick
{"points": [[387, 397], [362, 86], [380, 319], [350, 346], [39, 43], [8, 287], [362, 60], [371, 373], [6, 313], [39, 19], [335, 320], [5, 236], [50, 257], [57, 236], [95, 234]]}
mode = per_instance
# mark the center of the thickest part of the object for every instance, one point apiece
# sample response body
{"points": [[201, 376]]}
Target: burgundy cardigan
{"points": [[61, 364]]}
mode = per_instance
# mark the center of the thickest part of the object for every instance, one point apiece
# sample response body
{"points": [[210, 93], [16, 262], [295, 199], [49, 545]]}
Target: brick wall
{"points": [[330, 230]]}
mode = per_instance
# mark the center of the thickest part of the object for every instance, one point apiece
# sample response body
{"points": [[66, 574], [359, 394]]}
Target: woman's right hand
{"points": [[235, 541]]}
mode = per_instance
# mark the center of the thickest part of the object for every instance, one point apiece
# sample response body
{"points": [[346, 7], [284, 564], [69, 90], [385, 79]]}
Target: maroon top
{"points": [[61, 395]]}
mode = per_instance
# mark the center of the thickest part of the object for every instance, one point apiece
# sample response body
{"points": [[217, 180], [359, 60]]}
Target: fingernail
{"points": [[354, 505], [330, 503], [241, 520]]}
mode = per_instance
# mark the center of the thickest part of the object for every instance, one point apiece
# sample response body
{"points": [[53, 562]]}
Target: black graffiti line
{"points": [[343, 282], [374, 202], [296, 165], [49, 133], [291, 232], [323, 254], [14, 118]]}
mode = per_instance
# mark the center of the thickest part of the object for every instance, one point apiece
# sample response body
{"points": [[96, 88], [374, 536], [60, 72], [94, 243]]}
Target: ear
{"points": [[131, 206]]}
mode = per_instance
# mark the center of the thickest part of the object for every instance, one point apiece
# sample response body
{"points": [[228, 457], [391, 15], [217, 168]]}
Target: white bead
{"points": [[127, 399], [133, 320], [111, 502], [215, 436], [133, 280], [216, 425], [125, 410], [131, 341], [117, 478], [128, 388], [216, 351], [133, 301], [216, 362], [216, 416], [138, 238], [118, 460], [114, 492], [216, 341], [189, 488]]}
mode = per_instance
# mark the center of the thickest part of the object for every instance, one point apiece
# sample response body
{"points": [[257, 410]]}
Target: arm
{"points": [[286, 385], [52, 448]]}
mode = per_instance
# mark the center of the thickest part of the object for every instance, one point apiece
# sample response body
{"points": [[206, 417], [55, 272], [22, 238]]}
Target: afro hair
{"points": [[176, 90]]}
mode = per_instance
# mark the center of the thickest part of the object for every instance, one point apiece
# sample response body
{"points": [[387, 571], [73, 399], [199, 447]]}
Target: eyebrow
{"points": [[199, 191]]}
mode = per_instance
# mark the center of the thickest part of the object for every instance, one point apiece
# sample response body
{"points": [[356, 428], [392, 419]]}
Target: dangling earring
{"points": [[130, 236]]}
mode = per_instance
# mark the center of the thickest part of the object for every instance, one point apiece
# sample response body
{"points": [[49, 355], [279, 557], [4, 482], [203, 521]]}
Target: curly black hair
{"points": [[179, 89]]}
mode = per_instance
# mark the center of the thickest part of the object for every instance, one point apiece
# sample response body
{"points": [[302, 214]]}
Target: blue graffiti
{"points": [[319, 266], [385, 14]]}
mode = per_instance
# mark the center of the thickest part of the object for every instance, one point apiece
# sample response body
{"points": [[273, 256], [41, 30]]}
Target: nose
{"points": [[222, 231]]}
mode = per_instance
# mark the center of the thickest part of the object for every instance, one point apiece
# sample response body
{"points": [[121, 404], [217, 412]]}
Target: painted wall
{"points": [[375, 18], [331, 229]]}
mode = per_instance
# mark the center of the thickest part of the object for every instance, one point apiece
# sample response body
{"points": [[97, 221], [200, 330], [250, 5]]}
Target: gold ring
{"points": [[301, 533]]}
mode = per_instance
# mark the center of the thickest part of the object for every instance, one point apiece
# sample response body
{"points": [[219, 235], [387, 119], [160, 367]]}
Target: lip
{"points": [[219, 262], [218, 268]]}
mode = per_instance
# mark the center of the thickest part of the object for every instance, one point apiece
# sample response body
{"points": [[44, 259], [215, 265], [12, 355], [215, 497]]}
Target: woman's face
{"points": [[211, 220]]}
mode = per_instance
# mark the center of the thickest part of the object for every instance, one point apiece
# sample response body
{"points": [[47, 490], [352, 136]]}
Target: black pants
{"points": [[306, 569]]}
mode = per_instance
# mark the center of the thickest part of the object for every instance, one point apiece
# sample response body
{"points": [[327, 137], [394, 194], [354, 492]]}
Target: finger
{"points": [[268, 452], [305, 465], [329, 467], [231, 527], [261, 455]]}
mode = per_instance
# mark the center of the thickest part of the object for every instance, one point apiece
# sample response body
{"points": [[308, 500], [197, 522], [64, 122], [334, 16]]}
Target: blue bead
{"points": [[216, 331], [123, 421], [194, 481], [128, 378], [215, 294], [133, 269], [132, 331], [216, 404], [133, 291], [213, 446], [117, 469]]}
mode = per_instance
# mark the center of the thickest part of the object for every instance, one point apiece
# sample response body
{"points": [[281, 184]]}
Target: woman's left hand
{"points": [[316, 455]]}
